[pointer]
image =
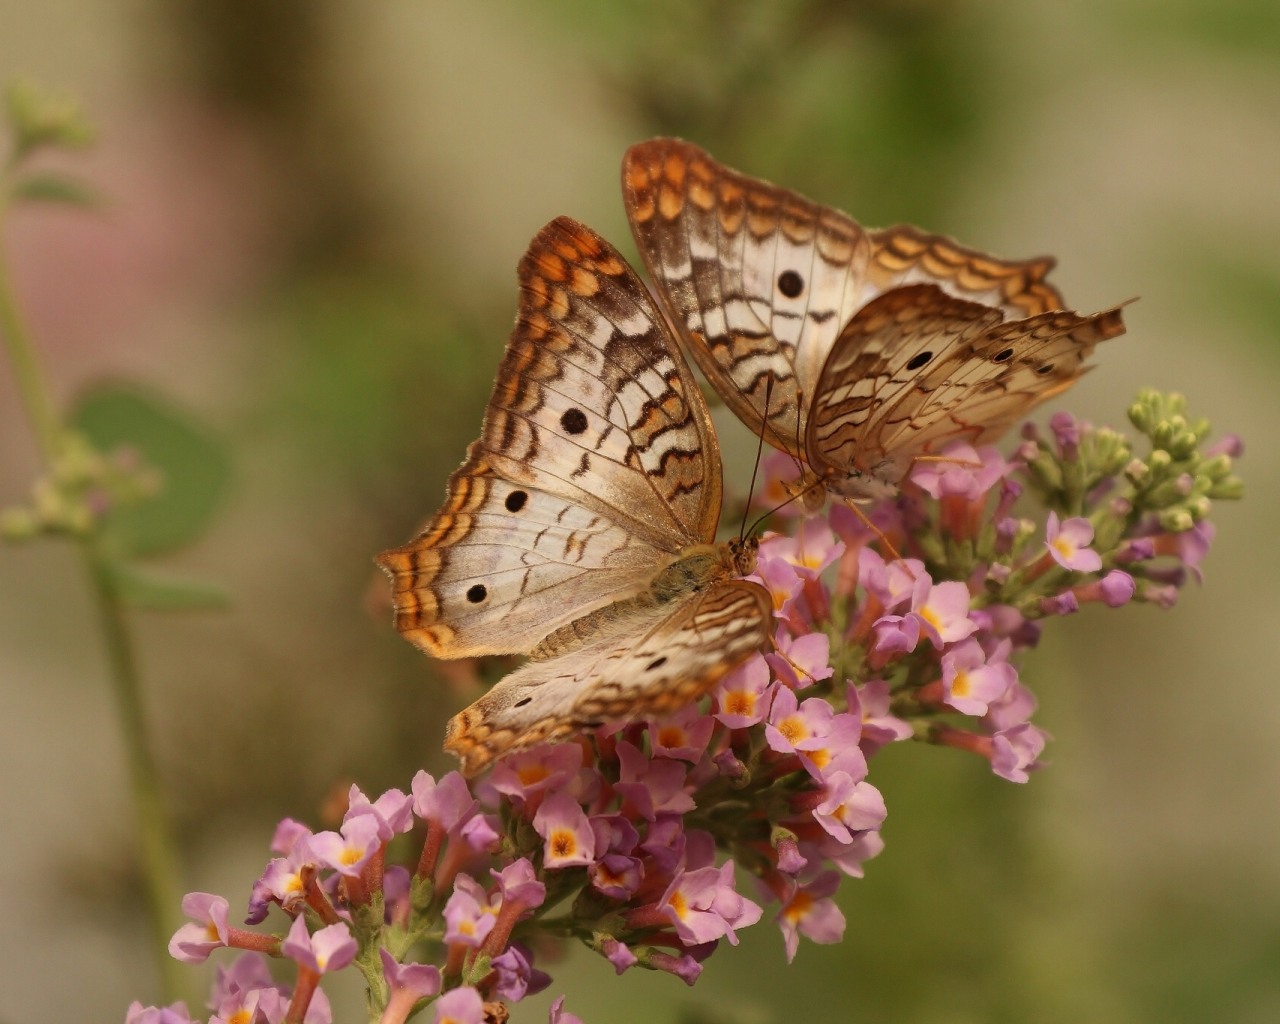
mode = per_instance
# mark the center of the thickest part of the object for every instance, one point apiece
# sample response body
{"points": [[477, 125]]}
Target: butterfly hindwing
{"points": [[653, 660], [917, 368]]}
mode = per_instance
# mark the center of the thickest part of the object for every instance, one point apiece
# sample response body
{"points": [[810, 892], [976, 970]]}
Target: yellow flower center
{"points": [[1064, 547], [820, 757], [928, 615], [466, 927], [679, 904], [563, 843], [294, 884], [740, 703], [671, 736], [793, 729], [960, 685], [531, 773], [241, 1016], [799, 906], [350, 855], [211, 930]]}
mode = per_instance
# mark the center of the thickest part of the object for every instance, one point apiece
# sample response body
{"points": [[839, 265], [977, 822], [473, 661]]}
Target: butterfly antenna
{"points": [[799, 494], [764, 423], [876, 530]]}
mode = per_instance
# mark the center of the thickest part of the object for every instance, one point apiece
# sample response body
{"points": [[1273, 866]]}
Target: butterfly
{"points": [[873, 347], [581, 528]]}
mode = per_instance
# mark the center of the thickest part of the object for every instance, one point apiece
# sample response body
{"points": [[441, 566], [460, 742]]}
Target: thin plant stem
{"points": [[159, 858]]}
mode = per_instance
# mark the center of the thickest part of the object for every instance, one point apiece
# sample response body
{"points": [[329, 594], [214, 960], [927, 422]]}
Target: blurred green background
{"points": [[317, 209]]}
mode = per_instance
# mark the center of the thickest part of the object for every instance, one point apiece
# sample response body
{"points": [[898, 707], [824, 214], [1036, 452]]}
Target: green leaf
{"points": [[194, 467], [149, 592], [53, 188]]}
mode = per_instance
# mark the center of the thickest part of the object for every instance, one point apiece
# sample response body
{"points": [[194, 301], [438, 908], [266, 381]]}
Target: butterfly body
{"points": [[855, 351], [581, 529]]}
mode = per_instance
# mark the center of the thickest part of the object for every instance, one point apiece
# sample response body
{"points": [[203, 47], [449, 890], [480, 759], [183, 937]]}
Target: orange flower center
{"points": [[671, 736], [793, 729], [563, 843]]}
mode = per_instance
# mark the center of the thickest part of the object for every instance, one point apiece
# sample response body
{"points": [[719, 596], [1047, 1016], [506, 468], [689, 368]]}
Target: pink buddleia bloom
{"points": [[742, 697], [801, 662], [942, 609], [287, 835], [459, 1006], [1115, 589], [208, 929], [811, 913], [1016, 706], [281, 882], [811, 550], [971, 476], [559, 1015], [795, 726], [895, 634], [837, 751], [652, 786], [448, 802], [734, 909], [246, 973], [468, 917], [786, 590], [849, 807], [871, 703], [971, 680], [406, 984], [618, 954], [531, 771], [684, 735], [849, 857], [517, 977], [175, 1013], [1068, 543], [520, 884], [349, 851], [890, 583], [617, 875], [568, 838], [393, 811], [1014, 751], [481, 833], [614, 834], [665, 841], [779, 471], [329, 949], [704, 905]]}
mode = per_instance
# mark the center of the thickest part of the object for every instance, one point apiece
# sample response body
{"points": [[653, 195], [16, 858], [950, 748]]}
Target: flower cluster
{"points": [[900, 622]]}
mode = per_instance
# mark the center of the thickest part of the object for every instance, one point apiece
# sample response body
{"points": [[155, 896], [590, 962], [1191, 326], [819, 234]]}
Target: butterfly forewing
{"points": [[652, 661], [596, 465], [917, 368]]}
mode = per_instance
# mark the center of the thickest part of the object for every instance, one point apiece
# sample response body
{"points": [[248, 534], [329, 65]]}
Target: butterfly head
{"points": [[742, 554]]}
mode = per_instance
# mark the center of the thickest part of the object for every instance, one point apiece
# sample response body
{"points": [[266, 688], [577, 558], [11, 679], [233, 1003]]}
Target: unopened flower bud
{"points": [[1120, 507], [998, 573], [1059, 604], [1165, 595], [1184, 484], [1230, 445], [1176, 520], [1136, 471]]}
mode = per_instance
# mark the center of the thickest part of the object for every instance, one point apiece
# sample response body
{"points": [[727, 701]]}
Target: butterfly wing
{"points": [[759, 280], [596, 464], [917, 368], [655, 660]]}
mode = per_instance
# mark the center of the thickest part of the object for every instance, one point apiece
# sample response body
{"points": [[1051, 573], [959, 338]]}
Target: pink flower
{"points": [[811, 550], [520, 885], [665, 841], [889, 583], [448, 802], [481, 833], [459, 1006], [652, 786], [175, 1013], [971, 680], [704, 906], [468, 916], [809, 912], [517, 977], [683, 735], [969, 477], [347, 853], [743, 696], [286, 837], [192, 943], [1069, 543], [1014, 751], [407, 984], [614, 834], [569, 841], [247, 972], [779, 577], [1115, 589], [618, 954], [617, 875], [329, 949], [848, 857], [849, 807], [879, 727], [942, 610], [780, 470], [281, 882], [558, 1015], [895, 634], [1016, 706], [801, 662], [837, 750], [530, 771], [795, 727], [393, 811]]}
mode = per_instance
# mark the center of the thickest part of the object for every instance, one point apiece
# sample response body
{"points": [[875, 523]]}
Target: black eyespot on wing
{"points": [[918, 360], [1044, 369], [1003, 355], [477, 593], [515, 500], [522, 702], [656, 663], [574, 421], [790, 284]]}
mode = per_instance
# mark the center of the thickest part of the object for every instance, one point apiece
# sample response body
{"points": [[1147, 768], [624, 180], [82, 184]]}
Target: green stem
{"points": [[158, 855]]}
